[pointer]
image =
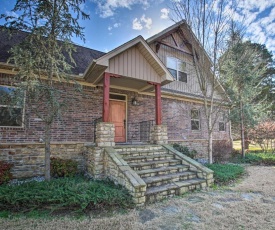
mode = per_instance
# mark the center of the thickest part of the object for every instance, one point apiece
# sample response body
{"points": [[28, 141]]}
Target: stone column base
{"points": [[159, 135], [105, 134]]}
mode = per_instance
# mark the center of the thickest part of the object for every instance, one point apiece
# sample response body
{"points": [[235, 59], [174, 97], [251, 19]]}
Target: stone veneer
{"points": [[159, 135], [28, 158], [105, 134]]}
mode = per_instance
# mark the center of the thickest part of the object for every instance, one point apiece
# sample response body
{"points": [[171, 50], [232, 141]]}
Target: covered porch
{"points": [[132, 67]]}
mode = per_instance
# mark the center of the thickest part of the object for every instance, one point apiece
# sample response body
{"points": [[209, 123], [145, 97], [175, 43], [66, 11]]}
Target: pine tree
{"points": [[44, 59]]}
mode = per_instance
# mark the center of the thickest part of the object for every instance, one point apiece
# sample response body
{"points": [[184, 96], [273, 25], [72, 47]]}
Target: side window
{"points": [[11, 107], [195, 119], [177, 68], [222, 122]]}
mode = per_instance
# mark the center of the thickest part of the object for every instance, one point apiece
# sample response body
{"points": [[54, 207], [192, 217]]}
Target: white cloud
{"points": [[107, 8], [137, 24], [164, 13], [117, 25], [110, 28], [147, 21]]}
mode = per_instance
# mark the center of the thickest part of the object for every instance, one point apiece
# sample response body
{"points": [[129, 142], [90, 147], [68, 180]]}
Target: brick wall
{"points": [[77, 124]]}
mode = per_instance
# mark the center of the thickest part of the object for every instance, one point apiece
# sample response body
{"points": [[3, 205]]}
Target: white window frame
{"points": [[21, 107], [177, 67], [196, 119]]}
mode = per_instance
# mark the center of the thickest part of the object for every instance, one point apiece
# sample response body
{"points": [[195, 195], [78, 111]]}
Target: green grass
{"points": [[224, 173], [252, 147], [71, 194]]}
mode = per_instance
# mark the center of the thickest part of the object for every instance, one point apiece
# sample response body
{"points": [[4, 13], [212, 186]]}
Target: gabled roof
{"points": [[94, 72], [179, 26], [82, 56]]}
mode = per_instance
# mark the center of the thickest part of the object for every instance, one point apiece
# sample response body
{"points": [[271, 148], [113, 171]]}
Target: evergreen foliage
{"points": [[44, 58]]}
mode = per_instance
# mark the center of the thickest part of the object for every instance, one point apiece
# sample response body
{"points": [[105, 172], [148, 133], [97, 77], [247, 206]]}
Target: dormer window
{"points": [[177, 68]]}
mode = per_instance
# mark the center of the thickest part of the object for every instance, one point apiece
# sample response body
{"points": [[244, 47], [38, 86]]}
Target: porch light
{"points": [[135, 102]]}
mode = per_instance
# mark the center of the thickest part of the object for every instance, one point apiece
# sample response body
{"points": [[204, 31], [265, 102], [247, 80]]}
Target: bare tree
{"points": [[206, 27]]}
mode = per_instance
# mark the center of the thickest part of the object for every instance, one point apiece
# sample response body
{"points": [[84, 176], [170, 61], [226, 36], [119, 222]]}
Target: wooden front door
{"points": [[117, 115]]}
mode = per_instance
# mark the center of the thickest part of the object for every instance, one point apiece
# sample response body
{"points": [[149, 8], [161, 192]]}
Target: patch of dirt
{"points": [[259, 179], [248, 205]]}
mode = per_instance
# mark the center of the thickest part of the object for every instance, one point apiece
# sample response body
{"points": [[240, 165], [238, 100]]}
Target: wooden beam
{"points": [[174, 47], [106, 95], [174, 40], [158, 104]]}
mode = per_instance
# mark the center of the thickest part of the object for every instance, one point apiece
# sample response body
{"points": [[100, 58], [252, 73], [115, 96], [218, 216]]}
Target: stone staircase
{"points": [[164, 170]]}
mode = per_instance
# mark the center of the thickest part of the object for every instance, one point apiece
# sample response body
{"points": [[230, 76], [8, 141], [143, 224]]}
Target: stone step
{"points": [[175, 188], [131, 148], [153, 164], [143, 152], [162, 170], [145, 158], [169, 178]]}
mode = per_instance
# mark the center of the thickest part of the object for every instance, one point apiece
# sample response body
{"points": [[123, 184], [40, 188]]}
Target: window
{"points": [[222, 123], [195, 119], [177, 68], [11, 109]]}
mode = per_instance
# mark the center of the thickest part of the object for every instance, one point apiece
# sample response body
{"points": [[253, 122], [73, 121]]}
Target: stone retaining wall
{"points": [[28, 158], [120, 172]]}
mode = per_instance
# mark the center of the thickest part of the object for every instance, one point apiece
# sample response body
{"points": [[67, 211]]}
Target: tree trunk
{"points": [[47, 152], [242, 129], [246, 140], [210, 148]]}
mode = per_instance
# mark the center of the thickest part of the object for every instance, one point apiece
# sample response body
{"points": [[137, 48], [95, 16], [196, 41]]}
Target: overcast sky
{"points": [[114, 22]]}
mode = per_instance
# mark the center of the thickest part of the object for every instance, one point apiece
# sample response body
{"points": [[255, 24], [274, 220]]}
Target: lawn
{"points": [[253, 147]]}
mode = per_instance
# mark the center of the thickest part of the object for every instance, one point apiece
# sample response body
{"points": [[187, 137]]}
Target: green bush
{"points": [[256, 159], [224, 173], [5, 174], [185, 150], [76, 193], [63, 168]]}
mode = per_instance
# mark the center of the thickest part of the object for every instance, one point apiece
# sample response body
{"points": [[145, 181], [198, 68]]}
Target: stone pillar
{"points": [[105, 134], [159, 135]]}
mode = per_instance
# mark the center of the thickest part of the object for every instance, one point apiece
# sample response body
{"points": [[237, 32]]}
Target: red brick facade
{"points": [[77, 123]]}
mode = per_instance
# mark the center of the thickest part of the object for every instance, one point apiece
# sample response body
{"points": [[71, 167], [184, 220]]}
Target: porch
{"points": [[132, 67]]}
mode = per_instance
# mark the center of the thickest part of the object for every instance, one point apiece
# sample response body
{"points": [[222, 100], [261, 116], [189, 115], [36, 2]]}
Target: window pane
{"points": [[221, 126], [171, 63], [182, 76], [181, 66], [195, 114], [195, 125], [173, 72], [10, 117], [5, 94]]}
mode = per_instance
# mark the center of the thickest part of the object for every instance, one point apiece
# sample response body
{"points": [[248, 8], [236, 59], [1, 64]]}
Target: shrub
{"points": [[222, 150], [5, 174], [185, 150], [63, 168], [256, 159], [224, 173], [77, 193]]}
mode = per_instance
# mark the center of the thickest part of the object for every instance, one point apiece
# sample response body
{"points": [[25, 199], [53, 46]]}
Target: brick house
{"points": [[143, 91]]}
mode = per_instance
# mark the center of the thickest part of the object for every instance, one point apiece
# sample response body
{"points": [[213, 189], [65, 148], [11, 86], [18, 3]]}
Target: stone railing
{"points": [[203, 172], [119, 171]]}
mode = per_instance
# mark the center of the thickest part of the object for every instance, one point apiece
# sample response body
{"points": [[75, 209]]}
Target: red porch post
{"points": [[106, 93], [158, 104]]}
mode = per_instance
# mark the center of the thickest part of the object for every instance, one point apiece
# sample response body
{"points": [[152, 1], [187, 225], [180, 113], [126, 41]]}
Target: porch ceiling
{"points": [[134, 62]]}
